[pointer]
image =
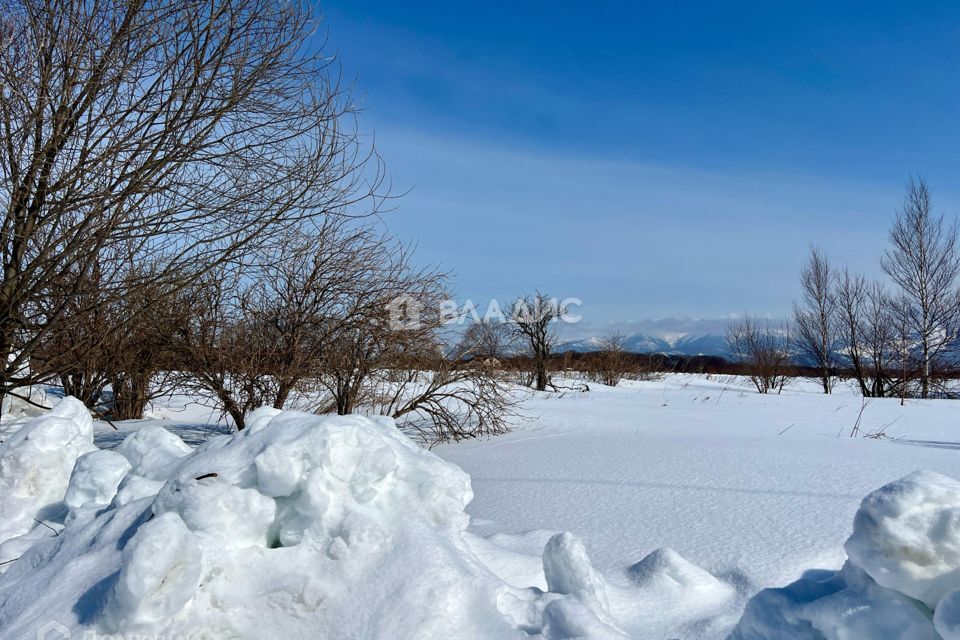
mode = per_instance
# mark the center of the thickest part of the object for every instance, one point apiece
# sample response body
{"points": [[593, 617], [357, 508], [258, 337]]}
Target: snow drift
{"points": [[666, 575], [306, 526], [299, 526], [901, 581]]}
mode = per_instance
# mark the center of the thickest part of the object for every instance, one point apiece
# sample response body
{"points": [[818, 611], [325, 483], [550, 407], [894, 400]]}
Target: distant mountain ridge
{"points": [[672, 343]]}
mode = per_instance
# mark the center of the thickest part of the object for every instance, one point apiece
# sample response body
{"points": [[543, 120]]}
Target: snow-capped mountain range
{"points": [[671, 336], [689, 344]]}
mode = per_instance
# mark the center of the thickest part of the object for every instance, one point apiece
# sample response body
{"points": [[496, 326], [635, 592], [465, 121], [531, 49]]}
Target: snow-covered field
{"points": [[756, 489], [683, 499]]}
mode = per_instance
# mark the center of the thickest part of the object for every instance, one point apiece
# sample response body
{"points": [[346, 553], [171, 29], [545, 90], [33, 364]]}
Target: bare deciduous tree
{"points": [[879, 331], [314, 304], [533, 322], [815, 319], [122, 342], [901, 315], [225, 356], [867, 333], [851, 302], [488, 339], [181, 131], [762, 349], [923, 260], [448, 396], [394, 329]]}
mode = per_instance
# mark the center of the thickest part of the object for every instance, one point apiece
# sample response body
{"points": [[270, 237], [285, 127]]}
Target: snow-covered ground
{"points": [[683, 498], [756, 489]]}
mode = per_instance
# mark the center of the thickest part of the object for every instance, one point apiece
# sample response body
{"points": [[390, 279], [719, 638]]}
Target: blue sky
{"points": [[653, 159]]}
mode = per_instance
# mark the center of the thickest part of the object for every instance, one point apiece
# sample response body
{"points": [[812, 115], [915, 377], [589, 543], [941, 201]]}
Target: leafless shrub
{"points": [[182, 133], [123, 342], [316, 304], [452, 397], [762, 350], [611, 364], [407, 372], [395, 329]]}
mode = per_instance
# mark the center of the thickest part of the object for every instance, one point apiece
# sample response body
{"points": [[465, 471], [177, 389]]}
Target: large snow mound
{"points": [[300, 526], [906, 535], [901, 581], [35, 467]]}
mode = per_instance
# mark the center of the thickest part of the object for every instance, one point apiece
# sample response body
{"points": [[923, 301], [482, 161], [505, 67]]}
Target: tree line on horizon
{"points": [[893, 338]]}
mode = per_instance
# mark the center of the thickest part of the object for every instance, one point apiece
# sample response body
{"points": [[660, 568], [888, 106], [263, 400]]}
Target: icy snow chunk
{"points": [[227, 515], [260, 418], [159, 575], [36, 463], [76, 412], [136, 487], [575, 605], [152, 451], [946, 618], [372, 472], [842, 605], [280, 470], [668, 574], [567, 569], [901, 581], [569, 618], [94, 481], [906, 536]]}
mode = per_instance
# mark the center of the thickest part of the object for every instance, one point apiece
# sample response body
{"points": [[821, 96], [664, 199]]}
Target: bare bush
{"points": [[762, 349], [260, 334], [450, 397], [611, 364], [122, 343], [395, 329], [181, 133], [397, 364]]}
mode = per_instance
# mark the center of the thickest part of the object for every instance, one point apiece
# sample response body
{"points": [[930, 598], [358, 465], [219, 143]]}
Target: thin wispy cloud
{"points": [[651, 241]]}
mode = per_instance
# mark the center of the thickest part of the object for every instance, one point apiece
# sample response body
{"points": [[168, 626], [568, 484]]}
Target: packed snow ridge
{"points": [[339, 526]]}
